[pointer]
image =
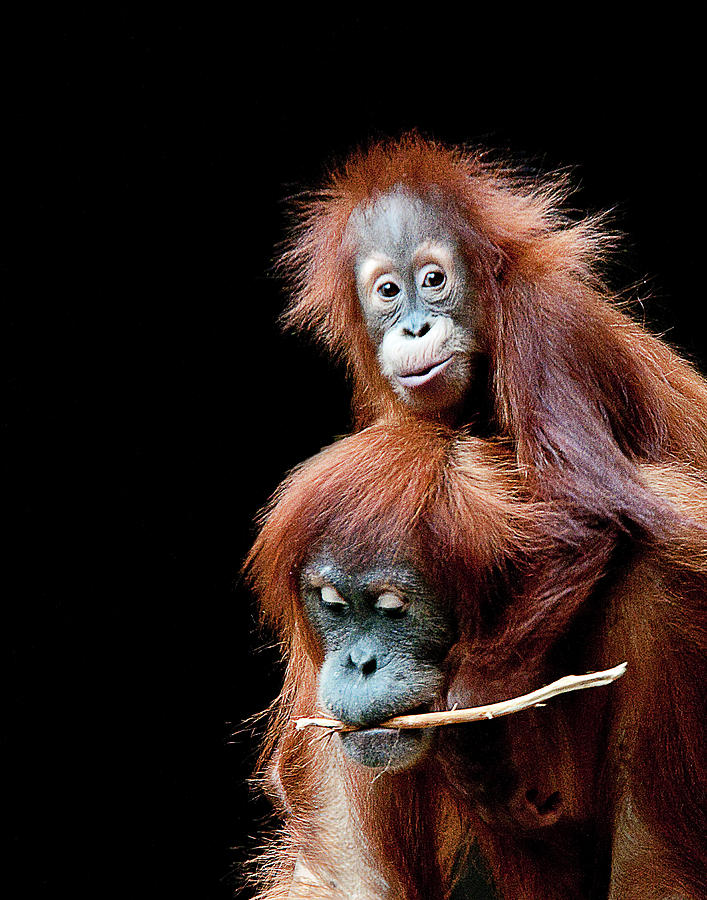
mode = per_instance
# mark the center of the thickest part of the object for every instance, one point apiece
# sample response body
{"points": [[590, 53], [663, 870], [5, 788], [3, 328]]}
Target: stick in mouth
{"points": [[479, 713]]}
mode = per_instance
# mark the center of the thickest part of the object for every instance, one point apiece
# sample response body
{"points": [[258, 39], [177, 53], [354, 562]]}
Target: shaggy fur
{"points": [[580, 388], [601, 793], [575, 539]]}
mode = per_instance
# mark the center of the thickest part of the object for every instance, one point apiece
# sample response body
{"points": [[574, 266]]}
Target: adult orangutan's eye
{"points": [[390, 603], [332, 598]]}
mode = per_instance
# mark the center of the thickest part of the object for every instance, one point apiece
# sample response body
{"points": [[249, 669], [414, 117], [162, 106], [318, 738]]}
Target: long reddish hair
{"points": [[442, 496], [456, 508], [579, 387]]}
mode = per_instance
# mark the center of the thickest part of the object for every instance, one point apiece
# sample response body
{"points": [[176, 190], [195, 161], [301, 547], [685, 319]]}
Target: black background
{"points": [[152, 404]]}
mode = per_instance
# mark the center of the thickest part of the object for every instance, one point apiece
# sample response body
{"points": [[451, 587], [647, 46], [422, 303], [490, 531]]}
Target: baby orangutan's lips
{"points": [[417, 378]]}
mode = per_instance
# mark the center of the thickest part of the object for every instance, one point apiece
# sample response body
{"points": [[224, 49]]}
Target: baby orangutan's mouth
{"points": [[424, 375]]}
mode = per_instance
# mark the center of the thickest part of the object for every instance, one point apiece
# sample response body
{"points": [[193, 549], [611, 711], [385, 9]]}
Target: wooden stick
{"points": [[479, 713]]}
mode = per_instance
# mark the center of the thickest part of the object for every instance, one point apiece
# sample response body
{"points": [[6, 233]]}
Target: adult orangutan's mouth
{"points": [[376, 746], [412, 711], [422, 376]]}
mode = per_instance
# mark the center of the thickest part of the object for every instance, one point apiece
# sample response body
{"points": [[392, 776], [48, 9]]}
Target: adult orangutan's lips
{"points": [[413, 711], [424, 376]]}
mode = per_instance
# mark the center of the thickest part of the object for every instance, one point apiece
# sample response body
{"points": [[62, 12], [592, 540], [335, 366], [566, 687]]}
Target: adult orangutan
{"points": [[455, 289], [407, 568]]}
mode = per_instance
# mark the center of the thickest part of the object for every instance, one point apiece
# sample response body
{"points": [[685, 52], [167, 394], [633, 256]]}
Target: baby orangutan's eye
{"points": [[434, 278], [386, 288]]}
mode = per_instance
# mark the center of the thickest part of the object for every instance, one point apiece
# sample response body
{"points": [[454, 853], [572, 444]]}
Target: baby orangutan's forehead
{"points": [[397, 224]]}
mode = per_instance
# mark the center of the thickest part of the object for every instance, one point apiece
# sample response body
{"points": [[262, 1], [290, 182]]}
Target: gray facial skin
{"points": [[384, 637], [417, 300]]}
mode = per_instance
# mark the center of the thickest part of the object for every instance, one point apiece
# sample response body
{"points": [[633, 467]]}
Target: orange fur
{"points": [[574, 382], [526, 613], [573, 541]]}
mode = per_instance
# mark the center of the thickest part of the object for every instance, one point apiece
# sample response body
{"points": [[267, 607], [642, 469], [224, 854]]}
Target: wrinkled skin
{"points": [[384, 637]]}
